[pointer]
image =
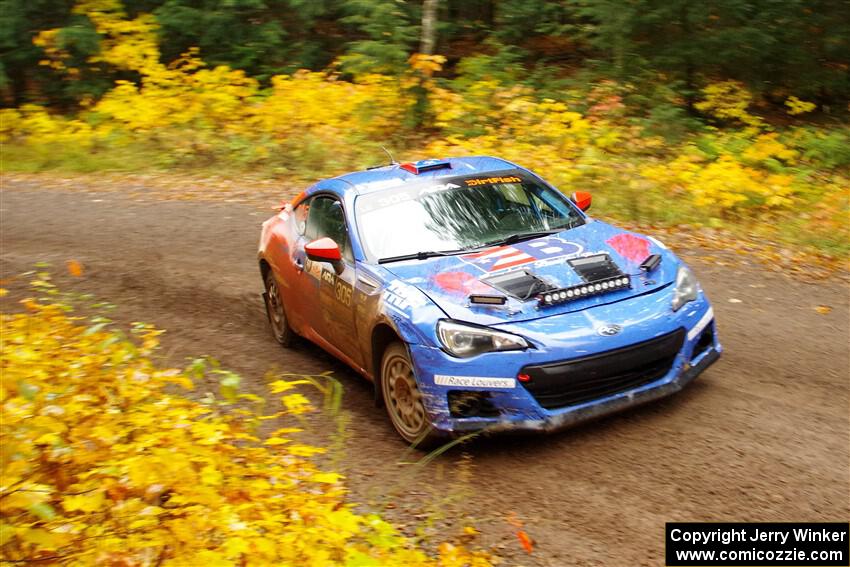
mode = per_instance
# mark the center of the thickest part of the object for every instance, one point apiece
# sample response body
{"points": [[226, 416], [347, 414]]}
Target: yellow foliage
{"points": [[319, 103], [728, 101], [316, 124], [767, 146], [33, 124], [723, 184], [102, 464], [125, 44], [206, 99], [797, 106], [197, 110], [511, 123], [426, 64]]}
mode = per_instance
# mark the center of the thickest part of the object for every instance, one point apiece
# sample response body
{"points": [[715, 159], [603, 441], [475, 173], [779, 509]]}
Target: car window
{"points": [[326, 218], [513, 193], [300, 214], [544, 207], [460, 213]]}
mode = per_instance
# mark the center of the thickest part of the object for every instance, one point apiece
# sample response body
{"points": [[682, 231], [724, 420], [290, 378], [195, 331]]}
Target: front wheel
{"points": [[403, 398], [277, 315]]}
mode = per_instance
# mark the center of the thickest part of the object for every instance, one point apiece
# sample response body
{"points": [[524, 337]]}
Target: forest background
{"points": [[729, 114]]}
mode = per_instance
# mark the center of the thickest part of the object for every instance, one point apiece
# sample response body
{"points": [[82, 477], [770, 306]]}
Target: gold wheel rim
{"points": [[403, 396]]}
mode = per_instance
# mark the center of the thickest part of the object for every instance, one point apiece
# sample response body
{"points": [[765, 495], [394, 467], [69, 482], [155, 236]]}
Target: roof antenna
{"points": [[392, 159]]}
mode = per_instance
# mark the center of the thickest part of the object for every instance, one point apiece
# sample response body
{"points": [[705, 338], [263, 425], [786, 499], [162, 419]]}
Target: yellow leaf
{"points": [[89, 502], [296, 403], [823, 309], [27, 496], [268, 417], [279, 386], [235, 546], [145, 522], [304, 450], [182, 380], [47, 439], [3, 291], [276, 441], [344, 521], [43, 539], [264, 546], [209, 558], [7, 532], [286, 430], [326, 477], [210, 475], [208, 433]]}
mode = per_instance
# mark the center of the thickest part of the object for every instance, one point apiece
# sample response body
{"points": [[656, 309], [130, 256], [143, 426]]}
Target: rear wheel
{"points": [[403, 398], [277, 314]]}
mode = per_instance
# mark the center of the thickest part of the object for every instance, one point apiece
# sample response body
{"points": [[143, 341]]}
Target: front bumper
{"points": [[610, 405], [560, 338]]}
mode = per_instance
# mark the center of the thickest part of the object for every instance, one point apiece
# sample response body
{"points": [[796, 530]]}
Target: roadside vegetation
{"points": [[659, 137], [106, 459]]}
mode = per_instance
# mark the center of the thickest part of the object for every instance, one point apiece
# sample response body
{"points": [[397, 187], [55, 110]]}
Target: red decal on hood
{"points": [[629, 246], [461, 282]]}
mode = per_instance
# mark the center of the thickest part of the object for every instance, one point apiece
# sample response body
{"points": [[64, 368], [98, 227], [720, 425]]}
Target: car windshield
{"points": [[460, 213]]}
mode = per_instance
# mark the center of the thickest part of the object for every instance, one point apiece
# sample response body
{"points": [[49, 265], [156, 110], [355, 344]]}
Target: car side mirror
{"points": [[325, 250], [582, 199]]}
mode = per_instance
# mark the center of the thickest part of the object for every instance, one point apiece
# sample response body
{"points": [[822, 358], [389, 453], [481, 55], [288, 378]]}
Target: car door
{"points": [[282, 243], [334, 319]]}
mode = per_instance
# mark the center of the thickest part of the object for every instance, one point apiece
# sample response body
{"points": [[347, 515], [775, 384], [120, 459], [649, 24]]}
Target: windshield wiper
{"points": [[519, 237], [420, 256], [510, 239]]}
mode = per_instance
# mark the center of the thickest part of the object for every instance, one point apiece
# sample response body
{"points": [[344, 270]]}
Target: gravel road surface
{"points": [[761, 436]]}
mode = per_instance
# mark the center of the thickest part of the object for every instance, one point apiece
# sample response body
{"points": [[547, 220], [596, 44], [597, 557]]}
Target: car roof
{"points": [[394, 175]]}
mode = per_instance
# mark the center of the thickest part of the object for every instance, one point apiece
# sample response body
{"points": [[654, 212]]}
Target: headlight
{"points": [[687, 288], [466, 340]]}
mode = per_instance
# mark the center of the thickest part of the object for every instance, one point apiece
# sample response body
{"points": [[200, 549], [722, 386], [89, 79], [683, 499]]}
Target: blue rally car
{"points": [[476, 296]]}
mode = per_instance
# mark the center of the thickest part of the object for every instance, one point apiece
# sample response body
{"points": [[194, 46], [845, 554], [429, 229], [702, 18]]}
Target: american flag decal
{"points": [[503, 257]]}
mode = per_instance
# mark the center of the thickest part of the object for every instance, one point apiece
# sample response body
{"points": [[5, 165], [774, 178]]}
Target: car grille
{"points": [[579, 380]]}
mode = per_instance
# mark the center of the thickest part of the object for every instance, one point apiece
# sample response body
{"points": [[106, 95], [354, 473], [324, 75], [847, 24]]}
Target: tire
{"points": [[278, 322], [403, 399]]}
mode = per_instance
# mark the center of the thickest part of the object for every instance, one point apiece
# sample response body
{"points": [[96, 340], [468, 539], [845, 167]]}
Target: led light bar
{"points": [[488, 299], [598, 287], [424, 165]]}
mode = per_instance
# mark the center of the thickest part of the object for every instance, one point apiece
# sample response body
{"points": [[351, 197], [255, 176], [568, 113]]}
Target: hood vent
{"points": [[521, 284], [650, 263], [595, 268]]}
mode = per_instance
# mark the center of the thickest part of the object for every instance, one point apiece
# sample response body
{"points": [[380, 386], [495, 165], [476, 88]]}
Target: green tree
{"points": [[776, 47], [384, 34], [244, 34], [22, 78]]}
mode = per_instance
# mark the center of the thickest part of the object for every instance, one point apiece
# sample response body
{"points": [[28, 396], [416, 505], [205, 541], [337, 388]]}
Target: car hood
{"points": [[449, 280]]}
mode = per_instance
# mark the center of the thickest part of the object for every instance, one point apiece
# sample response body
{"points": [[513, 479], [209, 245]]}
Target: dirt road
{"points": [[763, 435]]}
